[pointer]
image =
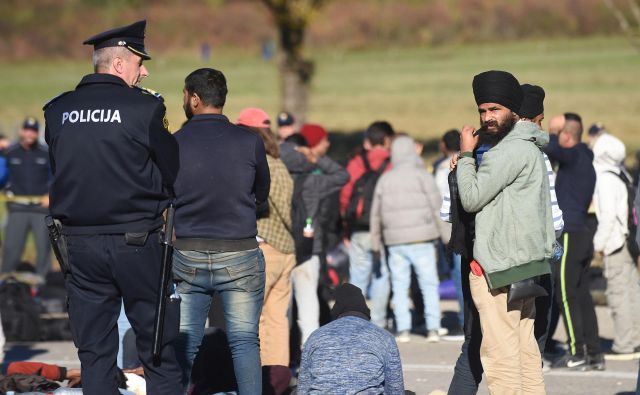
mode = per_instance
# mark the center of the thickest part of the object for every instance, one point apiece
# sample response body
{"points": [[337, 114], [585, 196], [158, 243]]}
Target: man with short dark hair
{"points": [[224, 178], [114, 164], [376, 158], [514, 234], [575, 186], [27, 163]]}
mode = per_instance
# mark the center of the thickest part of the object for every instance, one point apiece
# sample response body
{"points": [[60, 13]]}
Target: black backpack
{"points": [[20, 312], [299, 215], [359, 208], [632, 215]]}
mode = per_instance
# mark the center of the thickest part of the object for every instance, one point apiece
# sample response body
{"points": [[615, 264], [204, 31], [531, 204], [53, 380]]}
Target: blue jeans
{"points": [[422, 257], [457, 280], [239, 278], [361, 275]]}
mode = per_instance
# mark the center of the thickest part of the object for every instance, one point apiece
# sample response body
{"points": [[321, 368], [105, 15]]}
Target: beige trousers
{"points": [[509, 352], [274, 321]]}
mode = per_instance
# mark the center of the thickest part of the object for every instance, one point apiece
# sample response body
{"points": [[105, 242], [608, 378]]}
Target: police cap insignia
{"points": [[130, 36]]}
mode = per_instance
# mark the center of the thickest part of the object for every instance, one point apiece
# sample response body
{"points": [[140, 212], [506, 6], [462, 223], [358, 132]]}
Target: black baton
{"points": [[165, 276]]}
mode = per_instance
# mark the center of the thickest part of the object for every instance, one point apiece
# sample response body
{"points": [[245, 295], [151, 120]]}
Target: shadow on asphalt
{"points": [[20, 352]]}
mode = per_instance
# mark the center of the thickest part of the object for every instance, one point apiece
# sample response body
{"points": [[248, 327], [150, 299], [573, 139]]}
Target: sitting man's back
{"points": [[350, 355]]}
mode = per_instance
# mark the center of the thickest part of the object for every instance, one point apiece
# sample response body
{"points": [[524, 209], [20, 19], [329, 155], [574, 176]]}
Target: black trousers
{"points": [[468, 371], [543, 319], [572, 291], [104, 271]]}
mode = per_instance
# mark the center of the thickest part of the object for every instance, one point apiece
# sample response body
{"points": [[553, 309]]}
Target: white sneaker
{"points": [[403, 337], [443, 331], [433, 336]]}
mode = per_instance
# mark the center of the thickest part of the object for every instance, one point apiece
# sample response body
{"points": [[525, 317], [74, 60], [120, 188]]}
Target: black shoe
{"points": [[596, 361], [573, 362]]}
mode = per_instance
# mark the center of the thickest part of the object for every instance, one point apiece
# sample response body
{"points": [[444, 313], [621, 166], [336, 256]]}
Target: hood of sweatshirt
{"points": [[608, 153], [525, 130], [403, 152]]}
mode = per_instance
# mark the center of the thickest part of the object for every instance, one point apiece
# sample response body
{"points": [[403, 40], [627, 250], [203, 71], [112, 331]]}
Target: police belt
{"points": [[196, 244]]}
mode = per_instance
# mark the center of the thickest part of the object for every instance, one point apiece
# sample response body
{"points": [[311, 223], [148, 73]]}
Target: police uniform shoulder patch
{"points": [[47, 104], [151, 92]]}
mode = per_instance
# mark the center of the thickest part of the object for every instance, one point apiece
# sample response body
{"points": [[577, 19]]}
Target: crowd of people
{"points": [[516, 213]]}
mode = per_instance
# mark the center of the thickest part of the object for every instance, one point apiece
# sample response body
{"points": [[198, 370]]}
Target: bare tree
{"points": [[629, 24], [292, 18]]}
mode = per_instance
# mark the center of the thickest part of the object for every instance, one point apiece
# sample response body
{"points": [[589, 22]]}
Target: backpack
{"points": [[19, 311], [299, 215], [632, 215], [359, 208]]}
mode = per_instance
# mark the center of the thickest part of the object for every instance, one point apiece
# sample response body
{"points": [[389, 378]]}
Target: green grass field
{"points": [[420, 90]]}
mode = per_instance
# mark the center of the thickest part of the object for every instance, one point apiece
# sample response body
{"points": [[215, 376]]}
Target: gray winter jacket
{"points": [[406, 201]]}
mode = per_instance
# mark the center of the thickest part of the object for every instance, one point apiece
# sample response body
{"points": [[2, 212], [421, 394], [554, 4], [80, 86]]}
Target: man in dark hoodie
{"points": [[575, 186], [304, 155], [350, 355]]}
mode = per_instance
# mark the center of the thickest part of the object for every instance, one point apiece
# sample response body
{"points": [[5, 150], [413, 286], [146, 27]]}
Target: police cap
{"points": [[130, 37]]}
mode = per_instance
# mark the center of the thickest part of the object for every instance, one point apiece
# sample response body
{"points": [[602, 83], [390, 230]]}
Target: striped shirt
{"points": [[558, 222]]}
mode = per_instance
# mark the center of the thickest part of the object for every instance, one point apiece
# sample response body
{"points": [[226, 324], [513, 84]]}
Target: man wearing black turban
{"points": [[509, 192]]}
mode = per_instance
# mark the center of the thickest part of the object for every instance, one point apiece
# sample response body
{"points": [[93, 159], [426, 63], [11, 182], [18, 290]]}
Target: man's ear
{"points": [[195, 100], [117, 64]]}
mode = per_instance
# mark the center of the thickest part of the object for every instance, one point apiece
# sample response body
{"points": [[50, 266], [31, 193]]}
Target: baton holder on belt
{"points": [[58, 243]]}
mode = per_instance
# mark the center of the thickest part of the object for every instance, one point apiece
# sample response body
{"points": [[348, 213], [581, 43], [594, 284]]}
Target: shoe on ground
{"points": [[621, 356], [596, 362], [433, 336], [403, 337], [455, 335], [572, 362], [443, 331]]}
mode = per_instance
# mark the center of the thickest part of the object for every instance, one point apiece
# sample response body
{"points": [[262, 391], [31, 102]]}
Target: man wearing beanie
{"points": [[317, 177], [509, 192], [350, 355]]}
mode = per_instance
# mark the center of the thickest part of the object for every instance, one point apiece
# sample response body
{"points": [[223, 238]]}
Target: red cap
{"points": [[313, 133], [254, 117]]}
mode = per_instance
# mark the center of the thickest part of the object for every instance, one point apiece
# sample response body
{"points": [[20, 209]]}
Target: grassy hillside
{"points": [[422, 91]]}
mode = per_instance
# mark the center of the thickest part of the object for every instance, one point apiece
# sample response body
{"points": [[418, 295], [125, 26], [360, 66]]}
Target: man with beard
{"points": [[224, 180], [513, 231], [113, 163]]}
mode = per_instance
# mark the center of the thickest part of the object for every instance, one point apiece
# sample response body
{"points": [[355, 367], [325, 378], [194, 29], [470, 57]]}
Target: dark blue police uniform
{"points": [[114, 164], [29, 177]]}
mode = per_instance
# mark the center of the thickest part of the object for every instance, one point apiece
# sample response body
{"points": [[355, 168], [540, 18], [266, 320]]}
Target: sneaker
{"points": [[596, 362], [433, 336], [456, 335], [443, 331], [621, 356], [573, 362], [403, 337]]}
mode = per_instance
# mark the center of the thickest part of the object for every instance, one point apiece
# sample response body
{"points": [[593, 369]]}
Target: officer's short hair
{"points": [[102, 57], [378, 131], [209, 84], [451, 140]]}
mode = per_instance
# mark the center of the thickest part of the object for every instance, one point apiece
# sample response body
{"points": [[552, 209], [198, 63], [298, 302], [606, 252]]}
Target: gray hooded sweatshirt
{"points": [[406, 201]]}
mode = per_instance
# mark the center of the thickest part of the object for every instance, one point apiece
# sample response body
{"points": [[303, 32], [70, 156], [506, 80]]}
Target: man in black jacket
{"points": [[114, 164], [28, 191], [224, 178], [574, 187]]}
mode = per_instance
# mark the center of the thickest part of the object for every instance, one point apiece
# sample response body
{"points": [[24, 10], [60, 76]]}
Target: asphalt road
{"points": [[428, 368]]}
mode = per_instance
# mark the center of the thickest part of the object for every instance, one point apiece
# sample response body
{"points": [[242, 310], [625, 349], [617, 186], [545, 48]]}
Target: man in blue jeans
{"points": [[223, 182]]}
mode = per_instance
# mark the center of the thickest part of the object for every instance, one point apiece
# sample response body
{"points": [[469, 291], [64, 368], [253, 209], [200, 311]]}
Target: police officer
{"points": [[114, 164], [27, 163]]}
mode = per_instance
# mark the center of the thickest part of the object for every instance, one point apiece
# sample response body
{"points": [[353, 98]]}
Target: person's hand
{"points": [[346, 241], [73, 375], [139, 371], [45, 201], [468, 141], [453, 162], [598, 258], [306, 151]]}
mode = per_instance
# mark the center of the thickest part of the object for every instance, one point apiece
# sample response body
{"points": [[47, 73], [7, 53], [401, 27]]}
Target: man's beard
{"points": [[188, 111], [503, 130]]}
